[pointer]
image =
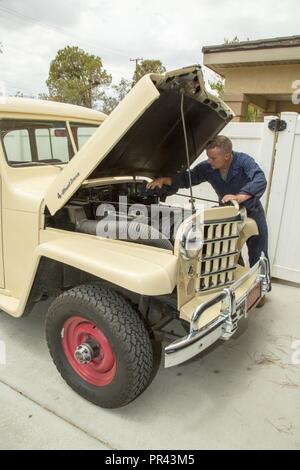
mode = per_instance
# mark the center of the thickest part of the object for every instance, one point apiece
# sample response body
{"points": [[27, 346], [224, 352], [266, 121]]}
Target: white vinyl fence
{"points": [[278, 154], [284, 211]]}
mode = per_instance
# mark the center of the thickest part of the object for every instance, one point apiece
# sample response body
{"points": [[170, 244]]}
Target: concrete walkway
{"points": [[242, 394]]}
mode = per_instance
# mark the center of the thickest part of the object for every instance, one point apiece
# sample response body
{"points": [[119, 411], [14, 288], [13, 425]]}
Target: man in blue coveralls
{"points": [[234, 176]]}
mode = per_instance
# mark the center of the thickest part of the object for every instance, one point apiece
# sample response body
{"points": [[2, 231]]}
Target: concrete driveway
{"points": [[241, 394]]}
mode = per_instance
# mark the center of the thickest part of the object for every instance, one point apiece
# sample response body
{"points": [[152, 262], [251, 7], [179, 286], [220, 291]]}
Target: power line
{"points": [[44, 25], [137, 60], [21, 17]]}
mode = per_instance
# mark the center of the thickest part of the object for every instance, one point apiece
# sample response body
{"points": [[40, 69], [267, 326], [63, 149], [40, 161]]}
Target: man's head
{"points": [[219, 152]]}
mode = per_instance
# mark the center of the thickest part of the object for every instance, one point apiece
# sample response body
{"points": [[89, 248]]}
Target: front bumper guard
{"points": [[226, 324]]}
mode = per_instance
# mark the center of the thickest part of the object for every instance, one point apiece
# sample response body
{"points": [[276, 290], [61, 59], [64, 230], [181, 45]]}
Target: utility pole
{"points": [[137, 60]]}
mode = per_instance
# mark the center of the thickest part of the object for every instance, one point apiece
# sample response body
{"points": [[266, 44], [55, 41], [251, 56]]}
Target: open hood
{"points": [[143, 136]]}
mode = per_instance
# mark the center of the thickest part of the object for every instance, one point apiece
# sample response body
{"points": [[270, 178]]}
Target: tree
{"points": [[254, 114], [147, 66], [217, 86], [235, 40], [43, 96], [122, 88], [118, 92], [77, 77], [20, 94]]}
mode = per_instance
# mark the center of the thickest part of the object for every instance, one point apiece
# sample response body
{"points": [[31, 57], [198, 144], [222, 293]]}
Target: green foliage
{"points": [[118, 92], [108, 104], [122, 88], [20, 94], [77, 77], [235, 40], [147, 66], [217, 86], [43, 96], [253, 114]]}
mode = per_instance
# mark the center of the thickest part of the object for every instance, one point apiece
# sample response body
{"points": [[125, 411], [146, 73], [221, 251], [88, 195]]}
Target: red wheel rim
{"points": [[102, 368]]}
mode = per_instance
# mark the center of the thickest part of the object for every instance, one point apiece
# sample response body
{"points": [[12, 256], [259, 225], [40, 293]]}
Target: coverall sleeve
{"points": [[181, 180], [257, 182]]}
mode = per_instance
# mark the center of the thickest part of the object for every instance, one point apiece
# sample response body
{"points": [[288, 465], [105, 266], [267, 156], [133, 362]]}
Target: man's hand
{"points": [[159, 183], [240, 198]]}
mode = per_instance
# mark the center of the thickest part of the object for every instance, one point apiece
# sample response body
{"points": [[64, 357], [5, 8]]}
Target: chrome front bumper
{"points": [[226, 324]]}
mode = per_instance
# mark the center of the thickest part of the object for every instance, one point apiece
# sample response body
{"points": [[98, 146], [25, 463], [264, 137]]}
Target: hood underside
{"points": [[144, 135]]}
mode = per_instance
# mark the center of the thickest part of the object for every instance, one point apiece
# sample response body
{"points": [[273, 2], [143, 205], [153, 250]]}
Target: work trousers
{"points": [[258, 243]]}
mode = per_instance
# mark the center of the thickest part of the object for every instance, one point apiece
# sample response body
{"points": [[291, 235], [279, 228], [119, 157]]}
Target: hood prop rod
{"points": [[199, 198], [192, 200]]}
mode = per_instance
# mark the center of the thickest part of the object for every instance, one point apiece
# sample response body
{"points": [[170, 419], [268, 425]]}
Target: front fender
{"points": [[142, 269], [249, 230]]}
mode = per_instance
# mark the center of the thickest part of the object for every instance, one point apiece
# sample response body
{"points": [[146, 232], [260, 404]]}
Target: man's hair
{"points": [[222, 142]]}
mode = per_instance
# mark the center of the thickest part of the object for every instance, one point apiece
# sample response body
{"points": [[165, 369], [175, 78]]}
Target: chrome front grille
{"points": [[218, 257]]}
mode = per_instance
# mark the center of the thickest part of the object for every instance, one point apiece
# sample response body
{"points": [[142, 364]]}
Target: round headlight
{"points": [[192, 241]]}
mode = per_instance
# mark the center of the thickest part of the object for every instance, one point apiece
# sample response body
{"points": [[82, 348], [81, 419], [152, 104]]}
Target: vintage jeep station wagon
{"points": [[77, 226]]}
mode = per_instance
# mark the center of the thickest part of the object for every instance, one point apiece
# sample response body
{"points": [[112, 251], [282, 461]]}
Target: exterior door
{"points": [[284, 203]]}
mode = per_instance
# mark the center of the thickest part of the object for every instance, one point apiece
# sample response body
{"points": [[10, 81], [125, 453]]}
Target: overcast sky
{"points": [[173, 31]]}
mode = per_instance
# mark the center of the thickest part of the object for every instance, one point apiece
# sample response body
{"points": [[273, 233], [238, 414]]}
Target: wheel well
{"points": [[54, 277]]}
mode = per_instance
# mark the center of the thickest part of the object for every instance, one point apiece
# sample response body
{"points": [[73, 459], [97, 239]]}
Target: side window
{"points": [[82, 133], [52, 144], [17, 146], [34, 142], [43, 143]]}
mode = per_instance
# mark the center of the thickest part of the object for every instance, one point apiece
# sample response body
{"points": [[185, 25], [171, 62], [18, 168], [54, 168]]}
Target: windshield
{"points": [[28, 143]]}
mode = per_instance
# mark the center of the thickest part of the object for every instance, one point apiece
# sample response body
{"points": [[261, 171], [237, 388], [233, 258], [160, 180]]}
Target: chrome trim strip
{"points": [[212, 240], [213, 273], [222, 255]]}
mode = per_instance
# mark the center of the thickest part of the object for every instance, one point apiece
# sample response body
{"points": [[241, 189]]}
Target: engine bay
{"points": [[120, 210]]}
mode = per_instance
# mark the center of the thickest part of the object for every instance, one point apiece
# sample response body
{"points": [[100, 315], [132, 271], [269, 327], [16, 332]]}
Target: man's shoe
{"points": [[262, 302]]}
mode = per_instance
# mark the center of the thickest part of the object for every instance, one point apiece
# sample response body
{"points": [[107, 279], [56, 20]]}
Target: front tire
{"points": [[99, 345]]}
